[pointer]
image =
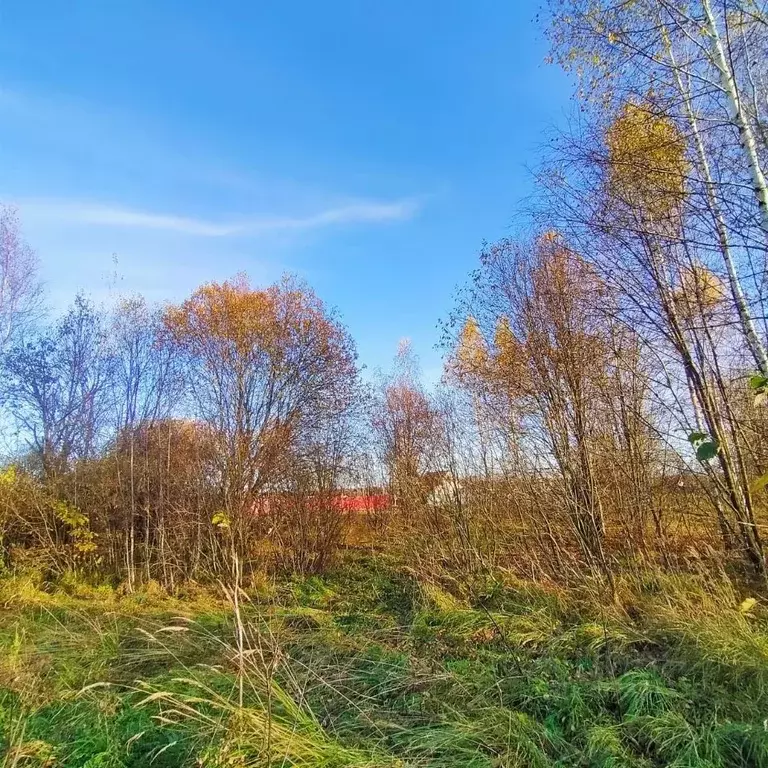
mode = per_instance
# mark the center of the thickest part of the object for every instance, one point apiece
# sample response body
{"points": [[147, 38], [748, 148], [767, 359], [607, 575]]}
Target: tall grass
{"points": [[367, 666]]}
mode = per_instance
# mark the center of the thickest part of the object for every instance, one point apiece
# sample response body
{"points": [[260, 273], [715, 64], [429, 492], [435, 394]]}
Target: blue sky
{"points": [[368, 146]]}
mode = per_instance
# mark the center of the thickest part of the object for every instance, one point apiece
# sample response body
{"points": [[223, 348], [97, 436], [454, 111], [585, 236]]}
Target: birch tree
{"points": [[624, 195], [698, 65]]}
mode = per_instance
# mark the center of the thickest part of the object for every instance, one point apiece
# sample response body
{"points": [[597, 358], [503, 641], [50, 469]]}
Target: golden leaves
{"points": [[231, 322], [648, 162], [8, 477], [552, 324], [221, 519], [78, 524], [471, 356], [507, 347], [272, 369], [229, 313], [699, 291]]}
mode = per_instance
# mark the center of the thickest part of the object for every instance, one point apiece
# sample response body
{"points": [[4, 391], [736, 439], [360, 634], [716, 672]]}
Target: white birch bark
{"points": [[756, 346], [731, 91]]}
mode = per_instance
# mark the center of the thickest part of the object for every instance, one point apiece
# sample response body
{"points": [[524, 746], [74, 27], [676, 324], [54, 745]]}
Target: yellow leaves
{"points": [[747, 605], [550, 236], [699, 291], [550, 329], [85, 545], [648, 162], [229, 313], [8, 477], [471, 355], [231, 323], [9, 488], [270, 366], [70, 515], [237, 333], [221, 520], [507, 346], [561, 275], [83, 538], [501, 364], [510, 359], [701, 286]]}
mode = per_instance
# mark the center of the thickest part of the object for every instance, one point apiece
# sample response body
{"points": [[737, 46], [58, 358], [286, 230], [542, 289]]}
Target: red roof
{"points": [[341, 502], [361, 503]]}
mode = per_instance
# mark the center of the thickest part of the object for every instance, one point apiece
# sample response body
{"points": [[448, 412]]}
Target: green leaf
{"points": [[697, 437], [707, 450], [758, 381]]}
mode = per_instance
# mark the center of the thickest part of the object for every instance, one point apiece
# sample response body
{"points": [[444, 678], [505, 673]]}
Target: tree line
{"points": [[606, 371]]}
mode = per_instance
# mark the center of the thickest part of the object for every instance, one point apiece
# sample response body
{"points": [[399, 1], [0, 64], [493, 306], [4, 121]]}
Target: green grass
{"points": [[368, 667]]}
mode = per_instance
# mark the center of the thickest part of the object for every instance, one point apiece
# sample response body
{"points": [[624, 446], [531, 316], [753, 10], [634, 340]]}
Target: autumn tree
{"points": [[537, 346], [695, 74], [268, 371], [636, 188], [405, 423], [648, 206]]}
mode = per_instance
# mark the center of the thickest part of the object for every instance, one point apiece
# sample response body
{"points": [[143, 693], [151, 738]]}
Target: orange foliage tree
{"points": [[270, 372]]}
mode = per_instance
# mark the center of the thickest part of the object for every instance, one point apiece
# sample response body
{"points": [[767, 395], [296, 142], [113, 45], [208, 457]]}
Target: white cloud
{"points": [[98, 214], [355, 213]]}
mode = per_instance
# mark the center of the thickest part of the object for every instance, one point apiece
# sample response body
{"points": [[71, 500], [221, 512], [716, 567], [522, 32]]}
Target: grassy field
{"points": [[368, 666]]}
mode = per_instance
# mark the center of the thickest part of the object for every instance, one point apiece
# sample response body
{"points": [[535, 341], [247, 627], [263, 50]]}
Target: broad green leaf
{"points": [[706, 451]]}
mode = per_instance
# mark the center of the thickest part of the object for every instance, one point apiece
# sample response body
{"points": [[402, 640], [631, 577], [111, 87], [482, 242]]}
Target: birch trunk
{"points": [[756, 346], [731, 91]]}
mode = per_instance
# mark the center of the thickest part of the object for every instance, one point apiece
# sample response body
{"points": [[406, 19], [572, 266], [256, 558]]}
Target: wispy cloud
{"points": [[356, 213], [97, 214]]}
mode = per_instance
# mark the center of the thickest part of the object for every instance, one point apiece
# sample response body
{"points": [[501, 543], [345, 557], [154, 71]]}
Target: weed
{"points": [[365, 667]]}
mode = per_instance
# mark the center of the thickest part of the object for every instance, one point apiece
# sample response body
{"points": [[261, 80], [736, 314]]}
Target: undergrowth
{"points": [[369, 666]]}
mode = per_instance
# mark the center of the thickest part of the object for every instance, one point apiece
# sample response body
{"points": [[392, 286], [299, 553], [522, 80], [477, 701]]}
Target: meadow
{"points": [[369, 665], [225, 541]]}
